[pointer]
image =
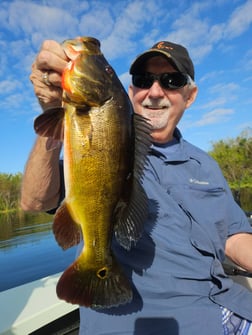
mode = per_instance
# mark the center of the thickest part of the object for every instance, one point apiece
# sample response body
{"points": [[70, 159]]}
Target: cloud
{"points": [[125, 79], [220, 88], [239, 21], [246, 60], [213, 117], [16, 105], [246, 128], [197, 31], [123, 26], [211, 75], [213, 103], [97, 22], [218, 95], [189, 26], [39, 19], [132, 20], [9, 85]]}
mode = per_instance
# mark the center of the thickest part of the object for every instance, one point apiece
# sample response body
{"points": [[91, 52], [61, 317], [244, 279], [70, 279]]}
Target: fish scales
{"points": [[102, 195]]}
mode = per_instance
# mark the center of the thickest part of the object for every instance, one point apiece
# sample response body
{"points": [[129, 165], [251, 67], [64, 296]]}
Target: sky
{"points": [[217, 34]]}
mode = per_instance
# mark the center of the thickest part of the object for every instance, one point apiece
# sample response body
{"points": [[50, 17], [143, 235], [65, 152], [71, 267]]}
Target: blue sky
{"points": [[218, 35]]}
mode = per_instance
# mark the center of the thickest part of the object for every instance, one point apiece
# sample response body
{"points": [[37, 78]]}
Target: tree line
{"points": [[235, 159], [233, 155]]}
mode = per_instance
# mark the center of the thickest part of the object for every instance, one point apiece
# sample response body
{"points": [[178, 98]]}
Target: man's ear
{"points": [[192, 94]]}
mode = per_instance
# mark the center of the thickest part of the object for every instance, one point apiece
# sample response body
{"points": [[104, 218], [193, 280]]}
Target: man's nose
{"points": [[156, 90]]}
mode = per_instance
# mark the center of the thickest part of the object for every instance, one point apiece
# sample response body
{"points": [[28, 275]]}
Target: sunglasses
{"points": [[168, 81]]}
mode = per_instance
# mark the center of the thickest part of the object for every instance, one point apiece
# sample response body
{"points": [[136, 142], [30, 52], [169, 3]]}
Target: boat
{"points": [[34, 309]]}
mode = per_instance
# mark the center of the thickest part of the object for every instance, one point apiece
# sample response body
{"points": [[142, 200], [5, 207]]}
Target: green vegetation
{"points": [[10, 186], [235, 159]]}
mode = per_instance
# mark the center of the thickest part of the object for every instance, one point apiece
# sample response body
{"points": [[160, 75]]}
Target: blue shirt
{"points": [[176, 267]]}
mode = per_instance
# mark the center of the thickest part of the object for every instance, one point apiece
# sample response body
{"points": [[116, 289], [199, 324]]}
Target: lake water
{"points": [[28, 250]]}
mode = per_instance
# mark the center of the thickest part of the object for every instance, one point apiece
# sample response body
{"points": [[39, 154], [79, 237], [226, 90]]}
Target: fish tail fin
{"points": [[96, 287], [66, 231]]}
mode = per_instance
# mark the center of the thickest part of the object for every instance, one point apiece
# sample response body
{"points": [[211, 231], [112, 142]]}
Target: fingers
{"points": [[48, 96], [51, 57], [46, 74]]}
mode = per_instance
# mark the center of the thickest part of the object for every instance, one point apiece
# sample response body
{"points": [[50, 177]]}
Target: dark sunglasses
{"points": [[168, 81]]}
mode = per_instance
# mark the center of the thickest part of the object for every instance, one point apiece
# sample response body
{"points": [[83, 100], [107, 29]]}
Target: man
{"points": [[180, 287]]}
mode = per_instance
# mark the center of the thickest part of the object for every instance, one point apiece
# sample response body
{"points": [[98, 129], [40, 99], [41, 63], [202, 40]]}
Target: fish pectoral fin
{"points": [[92, 286], [142, 144], [130, 217], [131, 213], [50, 124], [66, 231]]}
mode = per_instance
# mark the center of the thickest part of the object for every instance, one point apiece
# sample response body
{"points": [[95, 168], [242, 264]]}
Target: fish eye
{"points": [[109, 70]]}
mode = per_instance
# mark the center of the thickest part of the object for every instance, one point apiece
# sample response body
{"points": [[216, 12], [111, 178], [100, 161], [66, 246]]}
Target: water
{"points": [[28, 250]]}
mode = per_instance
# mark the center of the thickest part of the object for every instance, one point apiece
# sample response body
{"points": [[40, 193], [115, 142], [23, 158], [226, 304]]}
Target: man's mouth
{"points": [[155, 107]]}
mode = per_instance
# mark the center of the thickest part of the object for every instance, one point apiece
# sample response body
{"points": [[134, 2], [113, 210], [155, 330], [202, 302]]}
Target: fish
{"points": [[105, 146]]}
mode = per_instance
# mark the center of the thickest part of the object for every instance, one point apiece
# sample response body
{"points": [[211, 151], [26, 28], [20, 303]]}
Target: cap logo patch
{"points": [[161, 45]]}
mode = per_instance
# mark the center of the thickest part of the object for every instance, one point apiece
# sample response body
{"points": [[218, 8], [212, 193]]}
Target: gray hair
{"points": [[191, 83]]}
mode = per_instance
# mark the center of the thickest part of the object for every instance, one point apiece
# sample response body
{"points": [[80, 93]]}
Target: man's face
{"points": [[163, 107]]}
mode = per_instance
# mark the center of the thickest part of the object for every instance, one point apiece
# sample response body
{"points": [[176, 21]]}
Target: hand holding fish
{"points": [[46, 74]]}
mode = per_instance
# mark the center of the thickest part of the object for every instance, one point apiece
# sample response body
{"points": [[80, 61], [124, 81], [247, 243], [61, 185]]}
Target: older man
{"points": [[180, 287]]}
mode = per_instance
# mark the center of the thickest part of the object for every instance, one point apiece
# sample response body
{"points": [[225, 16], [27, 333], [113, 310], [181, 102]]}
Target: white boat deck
{"points": [[28, 307]]}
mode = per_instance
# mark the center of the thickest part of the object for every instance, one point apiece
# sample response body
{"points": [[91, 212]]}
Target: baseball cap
{"points": [[176, 53]]}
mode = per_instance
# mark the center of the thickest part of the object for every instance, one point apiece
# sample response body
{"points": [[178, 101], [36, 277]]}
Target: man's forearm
{"points": [[239, 250], [41, 181]]}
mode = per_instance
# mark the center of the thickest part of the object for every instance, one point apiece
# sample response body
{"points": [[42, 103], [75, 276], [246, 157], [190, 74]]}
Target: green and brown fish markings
{"points": [[104, 155]]}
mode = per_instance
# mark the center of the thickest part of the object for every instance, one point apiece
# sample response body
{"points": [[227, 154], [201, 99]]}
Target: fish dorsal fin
{"points": [[51, 123], [66, 231], [142, 144], [131, 212]]}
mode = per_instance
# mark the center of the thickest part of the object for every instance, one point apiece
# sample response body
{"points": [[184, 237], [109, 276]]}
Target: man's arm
{"points": [[239, 250], [41, 181]]}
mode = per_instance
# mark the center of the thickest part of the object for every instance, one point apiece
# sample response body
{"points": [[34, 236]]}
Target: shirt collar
{"points": [[172, 151]]}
